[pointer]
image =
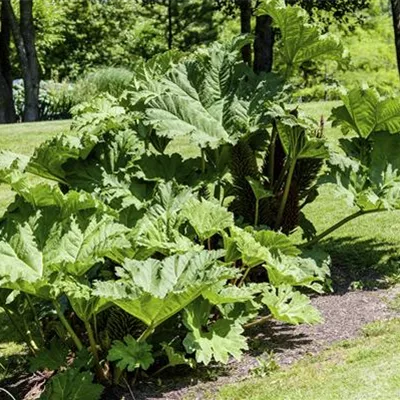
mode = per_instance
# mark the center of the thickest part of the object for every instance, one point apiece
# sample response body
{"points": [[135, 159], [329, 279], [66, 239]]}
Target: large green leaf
{"points": [[11, 161], [159, 229], [72, 385], [175, 116], [99, 115], [81, 297], [50, 195], [290, 306], [242, 244], [169, 167], [110, 171], [32, 249], [204, 100], [101, 158], [20, 257], [150, 70], [222, 294], [48, 159], [154, 290], [217, 341], [131, 354], [369, 177], [74, 246], [365, 112], [207, 218], [296, 140], [296, 271], [300, 41], [277, 243]]}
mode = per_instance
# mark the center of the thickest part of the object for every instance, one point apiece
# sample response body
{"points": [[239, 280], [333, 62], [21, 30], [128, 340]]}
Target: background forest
{"points": [[88, 46]]}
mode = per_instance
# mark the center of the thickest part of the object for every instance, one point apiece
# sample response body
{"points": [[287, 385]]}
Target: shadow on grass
{"points": [[361, 263]]}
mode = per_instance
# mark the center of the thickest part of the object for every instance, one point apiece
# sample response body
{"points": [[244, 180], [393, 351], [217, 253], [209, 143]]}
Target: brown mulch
{"points": [[344, 316]]}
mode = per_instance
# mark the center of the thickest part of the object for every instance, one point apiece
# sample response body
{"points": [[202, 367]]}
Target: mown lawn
{"points": [[23, 138], [363, 369]]}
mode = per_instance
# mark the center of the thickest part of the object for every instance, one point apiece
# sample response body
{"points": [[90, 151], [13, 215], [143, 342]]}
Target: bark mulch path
{"points": [[344, 316]]}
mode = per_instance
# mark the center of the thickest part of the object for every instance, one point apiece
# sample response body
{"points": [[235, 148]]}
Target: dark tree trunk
{"points": [[31, 112], [170, 32], [264, 45], [245, 26], [24, 39], [7, 109], [396, 25]]}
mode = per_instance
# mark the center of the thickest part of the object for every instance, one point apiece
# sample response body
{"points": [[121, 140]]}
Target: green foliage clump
{"points": [[111, 80], [117, 222]]}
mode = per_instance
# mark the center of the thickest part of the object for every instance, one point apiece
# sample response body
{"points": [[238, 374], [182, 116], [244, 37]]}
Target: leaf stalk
{"points": [[338, 225], [285, 193], [259, 321], [68, 326]]}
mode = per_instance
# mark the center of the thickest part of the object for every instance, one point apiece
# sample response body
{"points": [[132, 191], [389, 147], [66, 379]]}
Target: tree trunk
{"points": [[24, 39], [31, 112], [7, 109], [396, 25], [170, 33], [245, 26], [264, 45]]}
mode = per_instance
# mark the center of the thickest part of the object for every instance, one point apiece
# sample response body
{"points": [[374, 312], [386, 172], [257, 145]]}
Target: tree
{"points": [[396, 26], [339, 9], [24, 38], [87, 34], [184, 23], [264, 44], [7, 110], [245, 27], [78, 36]]}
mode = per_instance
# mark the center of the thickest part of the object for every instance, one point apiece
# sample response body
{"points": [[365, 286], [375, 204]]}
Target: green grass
{"points": [[23, 138], [365, 368]]}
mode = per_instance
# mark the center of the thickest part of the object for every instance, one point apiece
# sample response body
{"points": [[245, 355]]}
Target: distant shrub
{"points": [[55, 100], [316, 93], [104, 80]]}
